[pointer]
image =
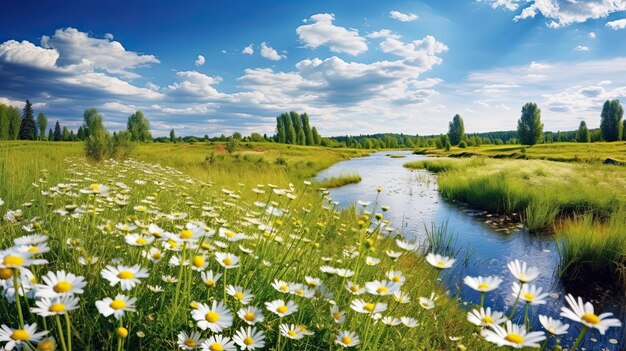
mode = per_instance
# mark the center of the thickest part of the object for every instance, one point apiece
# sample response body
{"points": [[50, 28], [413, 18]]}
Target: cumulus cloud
{"points": [[581, 48], [403, 17], [192, 83], [320, 30], [200, 60], [383, 33], [248, 50], [270, 53], [27, 54], [617, 24], [560, 13]]}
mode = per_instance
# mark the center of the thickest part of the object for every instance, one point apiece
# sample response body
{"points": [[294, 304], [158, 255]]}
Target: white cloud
{"points": [[26, 53], [581, 48], [322, 31], [200, 60], [192, 83], [403, 17], [117, 106], [383, 33], [248, 50], [537, 66], [109, 36], [270, 53], [617, 24], [592, 35]]}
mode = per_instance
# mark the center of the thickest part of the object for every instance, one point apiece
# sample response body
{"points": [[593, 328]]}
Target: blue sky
{"points": [[212, 67]]}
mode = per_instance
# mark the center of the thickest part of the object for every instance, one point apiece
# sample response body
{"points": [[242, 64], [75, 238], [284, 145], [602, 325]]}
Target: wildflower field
{"points": [[185, 248]]}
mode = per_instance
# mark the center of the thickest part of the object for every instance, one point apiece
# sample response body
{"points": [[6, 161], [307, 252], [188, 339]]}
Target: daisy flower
{"points": [[251, 315], [382, 288], [243, 296], [59, 283], [249, 338], [302, 291], [581, 312], [553, 326], [14, 259], [209, 278], [127, 276], [439, 262], [154, 254], [396, 277], [409, 322], [365, 307], [530, 293], [483, 284], [347, 338], [18, 338], [338, 316], [198, 263], [522, 272], [401, 297], [216, 317], [313, 282], [281, 286], [48, 307], [355, 289], [290, 331], [218, 342], [512, 335], [392, 321], [189, 341], [281, 308], [372, 261], [485, 317], [344, 273], [227, 260], [116, 307], [428, 303], [138, 239]]}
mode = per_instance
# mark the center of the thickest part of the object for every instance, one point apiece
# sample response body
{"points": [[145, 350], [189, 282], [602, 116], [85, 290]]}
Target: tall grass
{"points": [[340, 180]]}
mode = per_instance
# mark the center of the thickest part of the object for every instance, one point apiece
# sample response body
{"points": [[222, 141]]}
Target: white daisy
{"points": [[338, 316], [485, 317], [209, 279], [483, 284], [553, 326], [439, 262], [251, 315], [512, 335], [18, 338], [242, 295], [216, 317], [530, 293], [290, 331], [218, 342], [249, 338], [116, 307], [584, 313], [366, 307], [522, 272], [127, 276], [281, 308], [347, 338], [60, 284], [189, 341], [50, 307], [227, 260]]}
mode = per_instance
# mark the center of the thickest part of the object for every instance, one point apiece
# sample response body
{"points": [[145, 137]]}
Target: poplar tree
{"points": [[611, 120], [42, 122], [583, 135], [529, 126], [456, 131]]}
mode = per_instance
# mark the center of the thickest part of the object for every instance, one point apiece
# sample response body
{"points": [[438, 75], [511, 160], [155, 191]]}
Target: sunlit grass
{"points": [[340, 180]]}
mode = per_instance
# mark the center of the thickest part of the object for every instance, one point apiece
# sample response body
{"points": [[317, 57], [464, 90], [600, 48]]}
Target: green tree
{"points": [[42, 122], [58, 134], [28, 129], [456, 130], [307, 128], [80, 135], [66, 134], [172, 136], [529, 126], [50, 135], [99, 144], [237, 136], [281, 132], [611, 120], [301, 137], [256, 137], [15, 121], [93, 122], [624, 130], [4, 122], [297, 124], [317, 138], [139, 128], [583, 135]]}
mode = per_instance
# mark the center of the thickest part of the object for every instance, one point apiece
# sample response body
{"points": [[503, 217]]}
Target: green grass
{"points": [[230, 193], [340, 180], [564, 152]]}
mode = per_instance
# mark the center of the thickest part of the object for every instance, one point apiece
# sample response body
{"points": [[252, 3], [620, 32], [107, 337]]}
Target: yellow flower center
{"points": [[281, 309], [156, 256], [141, 241], [47, 345], [125, 275], [62, 287], [190, 343], [33, 249], [6, 273], [186, 234], [216, 347], [229, 234], [514, 338], [121, 332], [210, 283], [487, 320], [57, 308], [395, 279], [292, 333], [212, 317], [238, 295], [118, 304], [354, 288], [227, 261], [248, 341], [483, 286], [20, 335], [529, 296], [590, 318], [299, 292], [249, 316], [312, 283], [369, 307], [346, 340], [198, 261], [14, 261], [284, 288], [441, 264], [172, 244], [336, 315], [94, 187], [382, 290]]}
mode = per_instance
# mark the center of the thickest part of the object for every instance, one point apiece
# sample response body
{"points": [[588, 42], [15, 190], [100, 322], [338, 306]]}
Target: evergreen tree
{"points": [[456, 131], [172, 136], [317, 138], [281, 133], [72, 135], [290, 137], [297, 124], [529, 126], [50, 135], [15, 121], [611, 120], [58, 134], [307, 128], [583, 135], [301, 137], [80, 135], [66, 134], [139, 127], [28, 129], [42, 122], [206, 138], [624, 130], [4, 122]]}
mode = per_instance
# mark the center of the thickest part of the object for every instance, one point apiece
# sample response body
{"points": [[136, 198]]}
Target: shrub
{"points": [[463, 144], [99, 145]]}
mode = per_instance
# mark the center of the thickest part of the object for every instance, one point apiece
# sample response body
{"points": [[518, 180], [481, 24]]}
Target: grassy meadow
{"points": [[181, 238], [582, 203]]}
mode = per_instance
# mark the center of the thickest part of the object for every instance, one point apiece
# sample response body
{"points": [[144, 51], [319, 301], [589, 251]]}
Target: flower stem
{"points": [[18, 304], [583, 331], [482, 299], [68, 326], [60, 332], [516, 301]]}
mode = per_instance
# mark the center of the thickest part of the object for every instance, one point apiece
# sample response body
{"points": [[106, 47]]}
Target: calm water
{"points": [[415, 204]]}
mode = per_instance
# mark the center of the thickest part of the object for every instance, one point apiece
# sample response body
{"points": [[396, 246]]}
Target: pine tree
{"points": [[50, 135], [317, 138], [456, 131], [28, 129], [583, 135], [42, 122], [58, 134], [611, 120], [529, 126], [80, 135]]}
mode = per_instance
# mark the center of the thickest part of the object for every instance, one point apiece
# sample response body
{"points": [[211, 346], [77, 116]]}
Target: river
{"points": [[415, 205]]}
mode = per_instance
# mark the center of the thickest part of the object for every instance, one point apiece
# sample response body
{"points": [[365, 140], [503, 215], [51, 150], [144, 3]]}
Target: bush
{"points": [[98, 146], [232, 145], [123, 145], [462, 144]]}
